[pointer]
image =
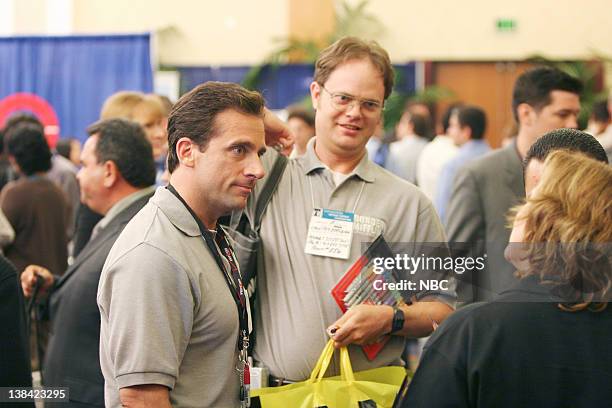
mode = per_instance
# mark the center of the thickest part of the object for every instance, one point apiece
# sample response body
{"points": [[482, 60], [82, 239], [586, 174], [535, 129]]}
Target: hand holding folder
{"points": [[360, 285]]}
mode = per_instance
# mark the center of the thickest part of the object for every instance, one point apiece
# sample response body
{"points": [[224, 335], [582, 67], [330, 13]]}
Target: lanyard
{"points": [[233, 282], [356, 201]]}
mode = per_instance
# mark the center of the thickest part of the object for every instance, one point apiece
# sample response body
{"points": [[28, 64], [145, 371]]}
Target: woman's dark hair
{"points": [[27, 144]]}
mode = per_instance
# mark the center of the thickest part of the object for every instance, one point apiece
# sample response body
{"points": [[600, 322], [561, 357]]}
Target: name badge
{"points": [[330, 233]]}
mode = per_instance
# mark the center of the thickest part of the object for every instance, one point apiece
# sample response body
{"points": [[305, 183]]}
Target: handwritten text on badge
{"points": [[330, 233]]}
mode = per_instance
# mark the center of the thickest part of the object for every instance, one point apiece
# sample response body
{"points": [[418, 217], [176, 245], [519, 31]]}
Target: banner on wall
{"points": [[64, 80]]}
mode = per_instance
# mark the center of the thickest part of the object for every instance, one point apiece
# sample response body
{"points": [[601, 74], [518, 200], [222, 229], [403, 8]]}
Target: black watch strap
{"points": [[398, 320]]}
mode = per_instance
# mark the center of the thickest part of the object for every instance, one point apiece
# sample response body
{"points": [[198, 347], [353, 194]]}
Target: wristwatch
{"points": [[398, 320]]}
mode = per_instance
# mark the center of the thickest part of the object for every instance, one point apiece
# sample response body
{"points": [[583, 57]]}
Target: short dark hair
{"points": [[353, 48], [124, 143], [20, 118], [63, 147], [534, 87], [448, 113], [193, 115], [565, 139], [27, 144], [474, 118], [304, 115], [600, 111], [15, 120], [420, 124]]}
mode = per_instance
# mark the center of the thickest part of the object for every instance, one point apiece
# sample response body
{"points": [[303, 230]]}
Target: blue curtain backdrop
{"points": [[75, 74], [280, 86]]}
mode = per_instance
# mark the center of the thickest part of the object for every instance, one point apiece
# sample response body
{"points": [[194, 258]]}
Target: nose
{"points": [[353, 109], [255, 168], [572, 122]]}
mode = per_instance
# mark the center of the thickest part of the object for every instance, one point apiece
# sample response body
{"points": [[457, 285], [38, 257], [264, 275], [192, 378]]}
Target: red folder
{"points": [[378, 248]]}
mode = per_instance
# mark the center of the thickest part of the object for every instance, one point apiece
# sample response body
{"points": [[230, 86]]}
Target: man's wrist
{"points": [[388, 319], [397, 321]]}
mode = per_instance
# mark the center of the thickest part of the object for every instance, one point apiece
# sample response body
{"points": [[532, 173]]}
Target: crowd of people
{"points": [[140, 288]]}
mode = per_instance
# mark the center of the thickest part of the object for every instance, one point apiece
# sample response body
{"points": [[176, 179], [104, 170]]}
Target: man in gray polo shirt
{"points": [[294, 309], [171, 303]]}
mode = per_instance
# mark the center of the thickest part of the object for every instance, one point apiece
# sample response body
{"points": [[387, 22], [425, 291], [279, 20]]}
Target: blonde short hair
{"points": [[123, 103], [568, 225]]}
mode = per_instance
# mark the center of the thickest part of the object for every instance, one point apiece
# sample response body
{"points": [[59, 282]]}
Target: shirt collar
{"points": [[474, 143], [121, 205], [531, 288], [176, 211], [365, 169]]}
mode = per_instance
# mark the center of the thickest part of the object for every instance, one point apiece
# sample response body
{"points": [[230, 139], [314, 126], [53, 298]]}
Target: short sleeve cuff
{"points": [[132, 379]]}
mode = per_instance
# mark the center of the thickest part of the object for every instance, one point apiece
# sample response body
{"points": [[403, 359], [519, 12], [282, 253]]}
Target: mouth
{"points": [[350, 129], [245, 189]]}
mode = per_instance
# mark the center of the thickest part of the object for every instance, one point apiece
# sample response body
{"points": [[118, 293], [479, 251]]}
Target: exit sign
{"points": [[505, 24]]}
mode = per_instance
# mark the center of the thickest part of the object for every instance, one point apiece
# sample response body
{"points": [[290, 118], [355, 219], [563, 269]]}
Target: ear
{"points": [[526, 114], [111, 174], [466, 133], [185, 151], [315, 94]]}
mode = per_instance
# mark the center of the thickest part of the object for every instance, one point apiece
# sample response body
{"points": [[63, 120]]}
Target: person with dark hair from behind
{"points": [[484, 190], [36, 208], [467, 125], [7, 233], [421, 108], [117, 179], [545, 342], [6, 170], [62, 171], [301, 124], [561, 139], [70, 149], [15, 370], [411, 132], [435, 155]]}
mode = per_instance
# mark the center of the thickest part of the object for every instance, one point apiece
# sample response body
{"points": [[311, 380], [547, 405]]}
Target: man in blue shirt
{"points": [[467, 126]]}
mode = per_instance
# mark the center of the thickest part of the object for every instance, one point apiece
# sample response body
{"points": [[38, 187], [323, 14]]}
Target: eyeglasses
{"points": [[342, 102]]}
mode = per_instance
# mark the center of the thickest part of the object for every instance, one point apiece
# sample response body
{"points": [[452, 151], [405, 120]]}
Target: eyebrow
{"points": [[248, 144], [355, 97]]}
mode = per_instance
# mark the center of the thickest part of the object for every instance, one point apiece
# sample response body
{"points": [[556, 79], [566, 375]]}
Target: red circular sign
{"points": [[36, 105]]}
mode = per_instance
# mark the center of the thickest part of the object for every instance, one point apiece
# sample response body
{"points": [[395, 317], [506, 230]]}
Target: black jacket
{"points": [[518, 351], [72, 358], [15, 370], [86, 220]]}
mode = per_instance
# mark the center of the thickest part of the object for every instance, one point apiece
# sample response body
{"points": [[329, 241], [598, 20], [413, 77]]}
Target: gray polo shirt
{"points": [[294, 304], [167, 315]]}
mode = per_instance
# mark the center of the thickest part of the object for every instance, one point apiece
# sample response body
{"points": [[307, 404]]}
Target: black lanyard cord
{"points": [[235, 288]]}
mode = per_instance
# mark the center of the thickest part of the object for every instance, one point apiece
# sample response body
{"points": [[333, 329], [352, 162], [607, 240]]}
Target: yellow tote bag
{"points": [[371, 388]]}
